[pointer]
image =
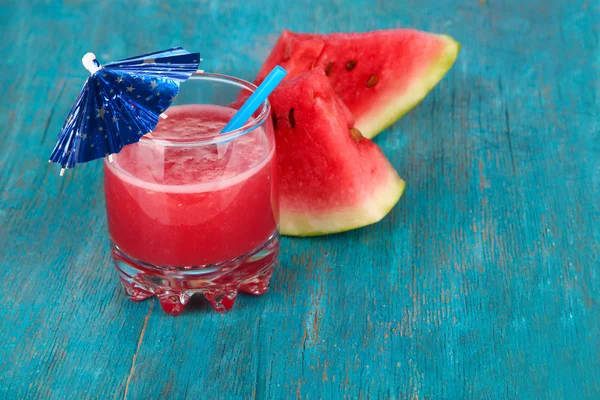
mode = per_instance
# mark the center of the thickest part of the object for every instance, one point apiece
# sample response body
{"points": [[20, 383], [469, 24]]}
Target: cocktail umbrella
{"points": [[120, 102]]}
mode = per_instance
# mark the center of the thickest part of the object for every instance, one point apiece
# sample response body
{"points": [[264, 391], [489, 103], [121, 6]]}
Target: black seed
{"points": [[350, 65], [274, 121], [356, 134], [372, 81], [328, 68], [291, 118]]}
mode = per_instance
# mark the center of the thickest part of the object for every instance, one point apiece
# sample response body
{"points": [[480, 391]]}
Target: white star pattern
{"points": [[157, 94], [148, 98], [172, 99], [83, 136], [112, 90], [115, 119], [100, 129], [130, 89], [119, 80], [100, 112], [153, 84]]}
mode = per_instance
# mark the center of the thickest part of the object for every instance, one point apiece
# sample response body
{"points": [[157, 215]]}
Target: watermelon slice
{"points": [[332, 179], [380, 75]]}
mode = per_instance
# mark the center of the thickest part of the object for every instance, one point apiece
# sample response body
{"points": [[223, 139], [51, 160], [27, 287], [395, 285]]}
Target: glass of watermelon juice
{"points": [[191, 210]]}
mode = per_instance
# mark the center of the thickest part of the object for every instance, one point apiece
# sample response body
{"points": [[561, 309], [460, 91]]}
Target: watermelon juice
{"points": [[192, 211]]}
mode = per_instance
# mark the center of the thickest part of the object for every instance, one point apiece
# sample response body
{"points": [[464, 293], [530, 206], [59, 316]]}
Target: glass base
{"points": [[218, 283]]}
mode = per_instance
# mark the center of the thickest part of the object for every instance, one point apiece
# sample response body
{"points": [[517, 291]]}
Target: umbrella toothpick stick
{"points": [[120, 102]]}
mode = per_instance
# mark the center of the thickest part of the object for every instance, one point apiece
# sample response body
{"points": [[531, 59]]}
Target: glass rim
{"points": [[254, 123]]}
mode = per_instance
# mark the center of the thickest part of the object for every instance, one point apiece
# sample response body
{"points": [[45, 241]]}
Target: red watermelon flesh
{"points": [[380, 75], [331, 178]]}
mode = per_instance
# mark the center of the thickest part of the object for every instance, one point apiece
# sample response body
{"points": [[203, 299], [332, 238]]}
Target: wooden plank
{"points": [[61, 325], [481, 283]]}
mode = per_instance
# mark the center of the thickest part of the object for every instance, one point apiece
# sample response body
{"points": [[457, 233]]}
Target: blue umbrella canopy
{"points": [[120, 102]]}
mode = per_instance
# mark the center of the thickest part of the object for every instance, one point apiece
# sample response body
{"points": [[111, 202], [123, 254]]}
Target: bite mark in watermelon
{"points": [[331, 179], [379, 75]]}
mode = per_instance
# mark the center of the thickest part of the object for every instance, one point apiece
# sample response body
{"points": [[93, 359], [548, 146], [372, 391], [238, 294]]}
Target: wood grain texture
{"points": [[482, 282]]}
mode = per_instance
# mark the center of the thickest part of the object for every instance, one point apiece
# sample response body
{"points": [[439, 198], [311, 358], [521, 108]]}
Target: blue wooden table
{"points": [[483, 282]]}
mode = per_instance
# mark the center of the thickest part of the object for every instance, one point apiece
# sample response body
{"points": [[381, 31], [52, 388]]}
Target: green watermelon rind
{"points": [[323, 223], [373, 123]]}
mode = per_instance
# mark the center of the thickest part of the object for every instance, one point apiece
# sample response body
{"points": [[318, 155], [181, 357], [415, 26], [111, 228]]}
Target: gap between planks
{"points": [[139, 344]]}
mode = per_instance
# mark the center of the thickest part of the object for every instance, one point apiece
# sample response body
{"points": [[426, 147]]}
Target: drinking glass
{"points": [[191, 210]]}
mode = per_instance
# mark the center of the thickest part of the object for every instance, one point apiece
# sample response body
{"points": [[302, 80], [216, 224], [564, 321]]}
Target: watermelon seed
{"points": [[328, 68], [356, 134], [274, 121], [372, 81], [350, 65], [291, 118]]}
